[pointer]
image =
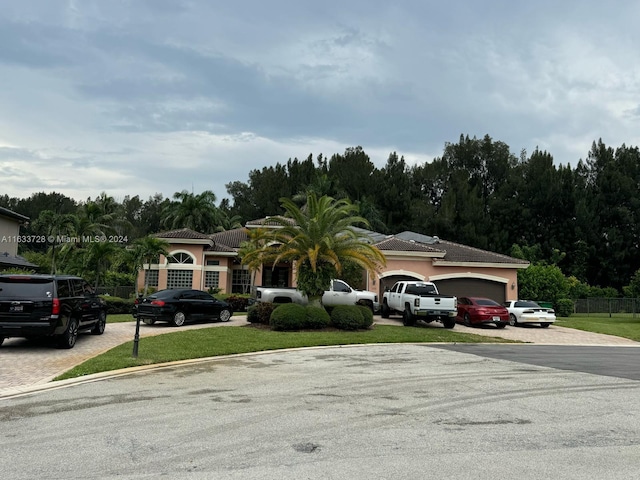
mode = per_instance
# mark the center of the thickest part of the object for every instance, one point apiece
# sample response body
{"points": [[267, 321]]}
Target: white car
{"points": [[525, 311]]}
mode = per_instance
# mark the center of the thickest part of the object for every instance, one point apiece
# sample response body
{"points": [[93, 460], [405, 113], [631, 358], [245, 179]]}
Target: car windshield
{"points": [[420, 289], [25, 287], [528, 304], [486, 302]]}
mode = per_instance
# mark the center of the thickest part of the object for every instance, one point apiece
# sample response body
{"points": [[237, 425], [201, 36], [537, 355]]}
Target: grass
{"points": [[627, 326], [210, 342]]}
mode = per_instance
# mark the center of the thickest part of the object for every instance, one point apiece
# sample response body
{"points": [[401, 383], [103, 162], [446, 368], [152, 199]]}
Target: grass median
{"points": [[626, 326], [211, 342]]}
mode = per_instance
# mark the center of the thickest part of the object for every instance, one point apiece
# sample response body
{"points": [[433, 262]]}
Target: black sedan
{"points": [[181, 305]]}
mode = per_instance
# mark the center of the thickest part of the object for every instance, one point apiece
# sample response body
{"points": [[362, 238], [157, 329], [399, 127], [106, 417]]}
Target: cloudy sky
{"points": [[136, 97]]}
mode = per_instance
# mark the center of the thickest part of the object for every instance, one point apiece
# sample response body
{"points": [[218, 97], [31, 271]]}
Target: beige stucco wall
{"points": [[424, 269], [9, 229]]}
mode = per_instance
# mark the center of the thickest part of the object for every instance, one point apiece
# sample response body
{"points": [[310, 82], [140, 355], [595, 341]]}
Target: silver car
{"points": [[526, 311]]}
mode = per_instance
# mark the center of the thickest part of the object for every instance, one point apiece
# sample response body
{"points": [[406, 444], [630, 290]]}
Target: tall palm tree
{"points": [[54, 226], [147, 250], [98, 257], [197, 212], [318, 239]]}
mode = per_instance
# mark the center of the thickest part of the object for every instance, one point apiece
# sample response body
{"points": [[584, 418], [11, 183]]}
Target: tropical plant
{"points": [[147, 250], [318, 239], [196, 212]]}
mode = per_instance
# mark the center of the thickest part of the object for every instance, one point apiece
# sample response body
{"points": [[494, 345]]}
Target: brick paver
{"points": [[25, 364]]}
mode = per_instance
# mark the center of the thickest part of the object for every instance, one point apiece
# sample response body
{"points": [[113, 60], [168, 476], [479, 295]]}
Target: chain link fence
{"points": [[609, 306]]}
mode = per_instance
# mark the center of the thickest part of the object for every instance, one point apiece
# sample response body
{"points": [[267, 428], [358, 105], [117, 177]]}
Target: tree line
{"points": [[582, 219]]}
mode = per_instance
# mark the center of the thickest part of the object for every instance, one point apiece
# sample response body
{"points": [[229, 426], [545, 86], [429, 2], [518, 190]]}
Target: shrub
{"points": [[347, 317], [260, 312], [117, 305], [367, 316], [288, 316], [237, 303], [564, 307], [316, 318]]}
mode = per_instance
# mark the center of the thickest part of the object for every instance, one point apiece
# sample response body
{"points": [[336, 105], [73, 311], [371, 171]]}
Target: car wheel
{"points": [[70, 335], [501, 324], [467, 319], [385, 311], [178, 319], [449, 323], [545, 325], [513, 321], [408, 320], [225, 315], [100, 325], [148, 321], [1, 340]]}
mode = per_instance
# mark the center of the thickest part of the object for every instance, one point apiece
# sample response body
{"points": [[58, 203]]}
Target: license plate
{"points": [[15, 308], [496, 319]]}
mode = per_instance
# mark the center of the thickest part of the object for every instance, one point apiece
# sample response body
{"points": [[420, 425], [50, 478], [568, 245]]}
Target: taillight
{"points": [[160, 303], [55, 308], [416, 302]]}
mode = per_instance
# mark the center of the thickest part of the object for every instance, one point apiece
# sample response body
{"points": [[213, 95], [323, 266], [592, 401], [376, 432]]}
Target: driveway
{"points": [[25, 366]]}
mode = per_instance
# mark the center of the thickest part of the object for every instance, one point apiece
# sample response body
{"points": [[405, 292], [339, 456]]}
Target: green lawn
{"points": [[627, 327], [209, 342]]}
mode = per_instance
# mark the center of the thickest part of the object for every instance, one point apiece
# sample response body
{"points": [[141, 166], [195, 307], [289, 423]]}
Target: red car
{"points": [[477, 310]]}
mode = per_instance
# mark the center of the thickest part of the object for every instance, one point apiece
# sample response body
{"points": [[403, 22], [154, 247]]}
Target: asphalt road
{"points": [[352, 412]]}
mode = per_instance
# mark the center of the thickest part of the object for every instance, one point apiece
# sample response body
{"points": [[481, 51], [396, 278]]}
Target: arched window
{"points": [[181, 258]]}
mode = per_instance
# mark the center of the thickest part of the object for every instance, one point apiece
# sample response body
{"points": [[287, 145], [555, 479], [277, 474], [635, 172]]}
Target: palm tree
{"points": [[147, 250], [196, 212], [98, 257], [318, 239], [54, 226]]}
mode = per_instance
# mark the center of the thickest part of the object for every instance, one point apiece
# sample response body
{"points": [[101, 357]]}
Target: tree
{"points": [[54, 226], [147, 250], [318, 240], [196, 212], [542, 283]]}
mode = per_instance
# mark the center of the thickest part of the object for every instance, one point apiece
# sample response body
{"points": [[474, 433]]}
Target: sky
{"points": [[138, 97]]}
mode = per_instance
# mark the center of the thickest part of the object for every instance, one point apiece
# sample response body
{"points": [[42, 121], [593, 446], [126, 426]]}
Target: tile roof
{"points": [[15, 261], [457, 252], [228, 241], [393, 243], [184, 233], [5, 212]]}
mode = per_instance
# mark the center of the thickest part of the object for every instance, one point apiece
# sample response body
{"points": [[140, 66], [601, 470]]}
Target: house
{"points": [[211, 261], [10, 238]]}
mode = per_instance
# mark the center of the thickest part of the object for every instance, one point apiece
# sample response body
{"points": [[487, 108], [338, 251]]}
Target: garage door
{"points": [[472, 287]]}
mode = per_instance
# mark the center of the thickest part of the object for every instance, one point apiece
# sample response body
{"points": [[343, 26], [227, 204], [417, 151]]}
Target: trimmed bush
{"points": [[287, 317], [316, 318], [260, 312], [367, 316], [117, 305], [238, 303], [347, 317], [564, 307]]}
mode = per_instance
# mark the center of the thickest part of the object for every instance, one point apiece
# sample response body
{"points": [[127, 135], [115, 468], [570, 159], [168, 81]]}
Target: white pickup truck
{"points": [[419, 300], [339, 293]]}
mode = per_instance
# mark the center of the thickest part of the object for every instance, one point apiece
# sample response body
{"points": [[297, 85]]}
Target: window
{"points": [[63, 288], [213, 262], [180, 257], [240, 281], [340, 287], [179, 278], [151, 277], [211, 279]]}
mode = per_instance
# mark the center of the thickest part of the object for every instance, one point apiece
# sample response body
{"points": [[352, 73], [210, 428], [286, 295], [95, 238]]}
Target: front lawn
{"points": [[627, 327], [210, 342]]}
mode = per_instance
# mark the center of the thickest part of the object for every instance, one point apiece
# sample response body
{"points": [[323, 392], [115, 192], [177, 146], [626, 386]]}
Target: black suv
{"points": [[49, 305]]}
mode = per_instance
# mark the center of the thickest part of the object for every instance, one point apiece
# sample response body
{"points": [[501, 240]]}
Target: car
{"points": [[479, 310], [57, 306], [180, 305], [526, 312]]}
